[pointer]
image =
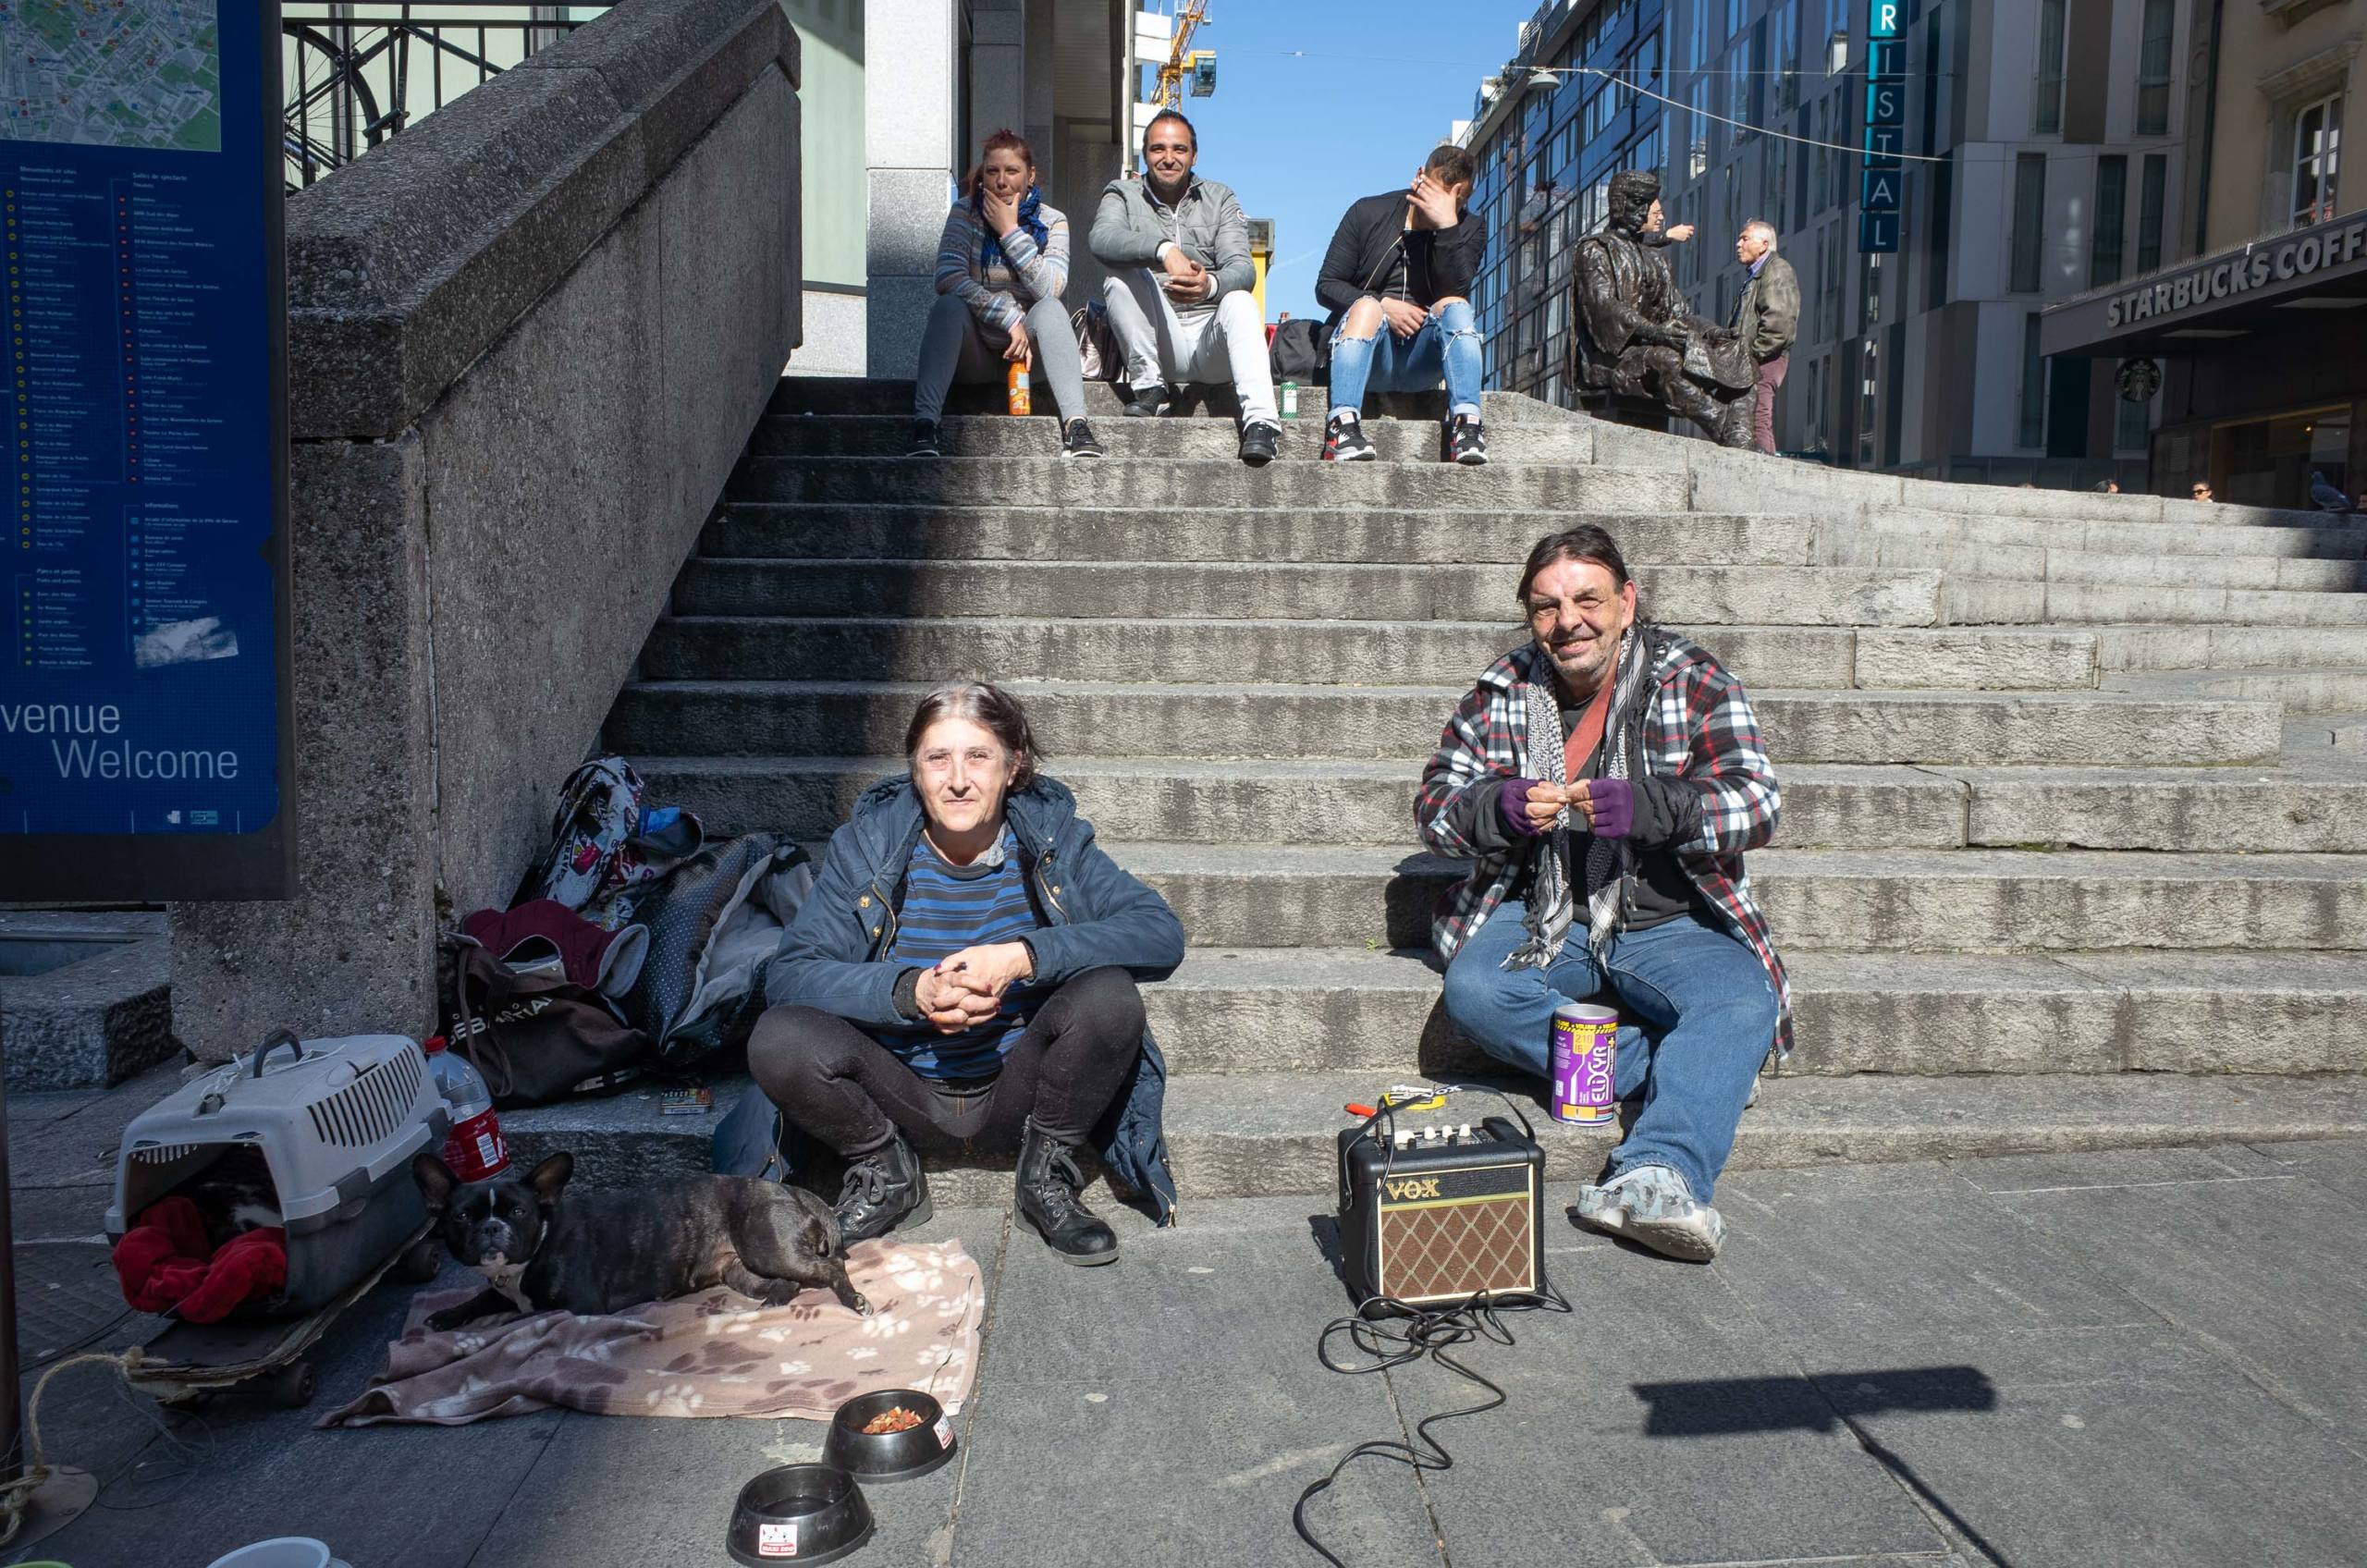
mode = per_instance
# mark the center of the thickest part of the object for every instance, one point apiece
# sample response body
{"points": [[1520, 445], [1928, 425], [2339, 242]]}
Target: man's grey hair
{"points": [[1761, 227]]}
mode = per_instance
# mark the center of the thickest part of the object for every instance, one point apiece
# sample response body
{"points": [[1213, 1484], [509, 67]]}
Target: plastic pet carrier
{"points": [[336, 1122]]}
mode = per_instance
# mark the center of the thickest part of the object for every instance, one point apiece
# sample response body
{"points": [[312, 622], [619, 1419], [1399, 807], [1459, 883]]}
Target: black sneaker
{"points": [[1465, 443], [1076, 441], [1345, 441], [923, 439], [1260, 442], [1148, 402]]}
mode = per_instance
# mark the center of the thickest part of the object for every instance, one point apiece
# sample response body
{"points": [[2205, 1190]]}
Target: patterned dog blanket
{"points": [[713, 1353]]}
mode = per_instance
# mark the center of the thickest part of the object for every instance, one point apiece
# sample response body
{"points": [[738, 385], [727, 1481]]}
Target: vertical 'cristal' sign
{"points": [[1881, 178]]}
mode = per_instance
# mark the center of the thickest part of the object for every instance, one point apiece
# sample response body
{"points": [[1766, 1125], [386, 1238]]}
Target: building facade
{"points": [[2252, 327], [2045, 158], [1546, 137]]}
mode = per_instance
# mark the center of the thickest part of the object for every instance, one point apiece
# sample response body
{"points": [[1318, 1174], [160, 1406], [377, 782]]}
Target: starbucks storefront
{"points": [[2261, 356]]}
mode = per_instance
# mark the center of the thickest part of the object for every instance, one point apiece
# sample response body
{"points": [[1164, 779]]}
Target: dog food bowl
{"points": [[888, 1456], [798, 1513]]}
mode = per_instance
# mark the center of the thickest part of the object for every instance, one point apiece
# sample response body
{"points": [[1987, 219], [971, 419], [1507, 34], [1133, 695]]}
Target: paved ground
{"points": [[2152, 1357]]}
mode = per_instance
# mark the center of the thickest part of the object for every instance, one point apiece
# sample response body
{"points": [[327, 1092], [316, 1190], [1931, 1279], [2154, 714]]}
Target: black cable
{"points": [[1416, 1333]]}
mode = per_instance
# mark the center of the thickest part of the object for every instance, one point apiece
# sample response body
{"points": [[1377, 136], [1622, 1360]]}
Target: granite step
{"points": [[1265, 895], [1880, 544], [899, 531], [1274, 1134], [1714, 595], [2298, 691], [1248, 1010], [857, 718], [1297, 482], [1349, 653], [2189, 543], [1746, 480], [2305, 806], [1038, 435], [893, 399], [2229, 647]]}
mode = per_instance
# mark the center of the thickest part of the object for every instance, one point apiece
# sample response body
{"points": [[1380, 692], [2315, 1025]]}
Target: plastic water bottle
{"points": [[474, 1149], [1015, 385]]}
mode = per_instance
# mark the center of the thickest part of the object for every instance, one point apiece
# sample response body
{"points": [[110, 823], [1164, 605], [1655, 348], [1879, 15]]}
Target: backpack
{"points": [[535, 1037], [605, 844], [1301, 353], [1096, 345], [715, 922]]}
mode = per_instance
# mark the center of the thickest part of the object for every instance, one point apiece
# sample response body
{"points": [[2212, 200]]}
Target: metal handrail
{"points": [[348, 84]]}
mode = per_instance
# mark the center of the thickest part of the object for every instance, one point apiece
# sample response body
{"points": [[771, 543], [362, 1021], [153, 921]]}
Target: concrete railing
{"points": [[527, 341]]}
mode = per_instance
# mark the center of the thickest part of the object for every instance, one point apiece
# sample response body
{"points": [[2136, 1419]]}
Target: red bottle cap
{"points": [[433, 1044]]}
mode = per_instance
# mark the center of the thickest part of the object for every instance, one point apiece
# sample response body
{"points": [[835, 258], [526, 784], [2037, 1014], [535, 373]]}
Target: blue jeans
{"points": [[1709, 1016], [1448, 346]]}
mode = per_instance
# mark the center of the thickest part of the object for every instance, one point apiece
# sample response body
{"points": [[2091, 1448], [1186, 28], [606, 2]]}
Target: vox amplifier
{"points": [[1441, 1216]]}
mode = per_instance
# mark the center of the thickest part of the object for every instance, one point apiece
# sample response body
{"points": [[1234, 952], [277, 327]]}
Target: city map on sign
{"points": [[112, 73]]}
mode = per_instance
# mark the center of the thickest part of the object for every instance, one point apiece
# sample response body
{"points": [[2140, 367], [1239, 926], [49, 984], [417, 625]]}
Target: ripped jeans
{"points": [[1447, 344]]}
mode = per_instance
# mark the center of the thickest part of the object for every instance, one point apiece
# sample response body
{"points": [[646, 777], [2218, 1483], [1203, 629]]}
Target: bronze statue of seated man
{"points": [[1632, 335]]}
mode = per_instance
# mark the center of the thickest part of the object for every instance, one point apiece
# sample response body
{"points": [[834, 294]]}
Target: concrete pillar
{"points": [[908, 142], [1035, 92], [998, 72]]}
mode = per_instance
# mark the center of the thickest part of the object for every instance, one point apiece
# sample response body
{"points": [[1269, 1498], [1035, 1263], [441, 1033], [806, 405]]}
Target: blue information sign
{"points": [[1882, 183], [144, 718]]}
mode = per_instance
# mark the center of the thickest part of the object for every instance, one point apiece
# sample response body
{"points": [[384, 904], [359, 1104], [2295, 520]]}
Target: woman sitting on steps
{"points": [[1001, 265], [962, 975]]}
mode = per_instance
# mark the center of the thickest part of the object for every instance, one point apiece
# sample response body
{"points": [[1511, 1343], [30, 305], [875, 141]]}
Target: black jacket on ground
{"points": [[1441, 264]]}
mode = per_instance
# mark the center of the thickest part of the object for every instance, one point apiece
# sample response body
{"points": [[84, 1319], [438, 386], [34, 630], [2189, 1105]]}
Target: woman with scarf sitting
{"points": [[1001, 264]]}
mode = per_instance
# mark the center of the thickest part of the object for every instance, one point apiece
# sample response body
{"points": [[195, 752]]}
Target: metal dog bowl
{"points": [[888, 1456], [798, 1513]]}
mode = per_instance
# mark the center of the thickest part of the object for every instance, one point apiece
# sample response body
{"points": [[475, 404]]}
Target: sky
{"points": [[1318, 104]]}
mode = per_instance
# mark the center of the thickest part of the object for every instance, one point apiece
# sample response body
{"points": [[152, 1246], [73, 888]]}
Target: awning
{"points": [[2268, 283]]}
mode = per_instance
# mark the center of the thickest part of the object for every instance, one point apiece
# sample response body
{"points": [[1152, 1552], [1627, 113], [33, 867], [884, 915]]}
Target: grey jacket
{"points": [[1129, 227], [1768, 315]]}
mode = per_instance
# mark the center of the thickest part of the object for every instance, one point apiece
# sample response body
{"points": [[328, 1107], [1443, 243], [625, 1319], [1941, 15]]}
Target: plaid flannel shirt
{"points": [[1699, 726]]}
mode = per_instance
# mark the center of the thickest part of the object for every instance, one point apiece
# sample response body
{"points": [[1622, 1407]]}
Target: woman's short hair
{"points": [[989, 707], [1584, 542], [996, 141]]}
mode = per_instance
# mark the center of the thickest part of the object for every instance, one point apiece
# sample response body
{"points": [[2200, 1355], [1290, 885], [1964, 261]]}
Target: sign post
{"points": [[1881, 180], [144, 715]]}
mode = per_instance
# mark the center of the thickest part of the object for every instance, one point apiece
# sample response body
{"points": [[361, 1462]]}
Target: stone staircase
{"points": [[2075, 786]]}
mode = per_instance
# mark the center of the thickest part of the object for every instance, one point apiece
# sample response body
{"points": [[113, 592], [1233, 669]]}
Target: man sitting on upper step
{"points": [[1404, 260], [1179, 293], [1607, 777]]}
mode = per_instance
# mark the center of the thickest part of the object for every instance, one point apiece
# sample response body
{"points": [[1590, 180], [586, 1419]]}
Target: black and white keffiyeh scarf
{"points": [[1611, 862]]}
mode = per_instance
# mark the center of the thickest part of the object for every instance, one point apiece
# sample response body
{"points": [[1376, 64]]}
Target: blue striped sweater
{"points": [[946, 908]]}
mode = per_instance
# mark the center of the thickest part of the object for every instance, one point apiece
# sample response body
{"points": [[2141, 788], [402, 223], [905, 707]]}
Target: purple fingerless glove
{"points": [[1614, 806], [1513, 800]]}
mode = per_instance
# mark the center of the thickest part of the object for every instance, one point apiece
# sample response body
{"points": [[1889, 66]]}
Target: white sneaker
{"points": [[1651, 1206]]}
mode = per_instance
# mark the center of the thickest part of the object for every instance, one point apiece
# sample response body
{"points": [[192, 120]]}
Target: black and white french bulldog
{"points": [[604, 1251]]}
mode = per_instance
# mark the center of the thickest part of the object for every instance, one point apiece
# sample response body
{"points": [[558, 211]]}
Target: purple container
{"points": [[1585, 1037]]}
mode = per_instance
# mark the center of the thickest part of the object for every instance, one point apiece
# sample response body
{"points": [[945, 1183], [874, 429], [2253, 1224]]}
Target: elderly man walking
{"points": [[1767, 318], [1606, 776]]}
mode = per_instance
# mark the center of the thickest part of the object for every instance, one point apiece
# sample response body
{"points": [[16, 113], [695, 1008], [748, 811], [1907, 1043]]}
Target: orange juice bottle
{"points": [[1016, 381]]}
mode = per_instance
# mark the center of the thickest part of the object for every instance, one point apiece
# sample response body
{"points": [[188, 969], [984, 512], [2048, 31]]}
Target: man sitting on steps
{"points": [[1607, 777], [1404, 260], [1179, 291]]}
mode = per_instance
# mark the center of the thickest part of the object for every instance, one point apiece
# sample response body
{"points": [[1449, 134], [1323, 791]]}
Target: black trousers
{"points": [[849, 1091]]}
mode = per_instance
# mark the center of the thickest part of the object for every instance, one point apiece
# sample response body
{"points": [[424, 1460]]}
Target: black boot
{"points": [[1048, 1183], [884, 1188]]}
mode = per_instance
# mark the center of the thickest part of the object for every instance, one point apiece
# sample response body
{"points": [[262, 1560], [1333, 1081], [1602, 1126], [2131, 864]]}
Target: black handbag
{"points": [[536, 1038]]}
